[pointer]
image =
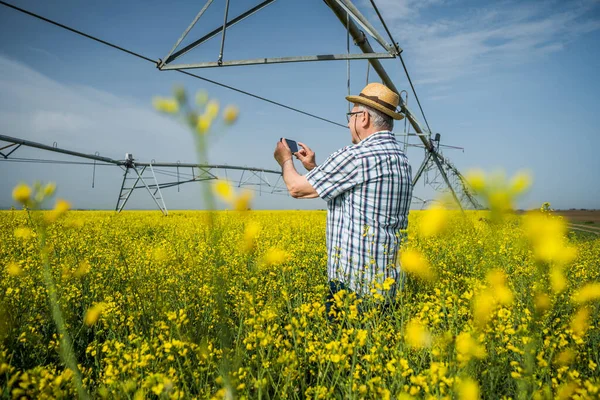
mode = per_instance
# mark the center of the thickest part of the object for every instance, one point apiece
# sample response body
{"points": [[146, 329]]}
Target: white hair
{"points": [[380, 120]]}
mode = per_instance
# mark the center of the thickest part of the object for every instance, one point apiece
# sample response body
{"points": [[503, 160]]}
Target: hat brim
{"points": [[372, 104]]}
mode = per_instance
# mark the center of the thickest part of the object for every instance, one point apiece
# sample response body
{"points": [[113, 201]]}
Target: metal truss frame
{"points": [[358, 27], [432, 152], [165, 64], [255, 179]]}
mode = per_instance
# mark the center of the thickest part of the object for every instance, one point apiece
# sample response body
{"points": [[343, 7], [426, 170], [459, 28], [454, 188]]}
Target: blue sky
{"points": [[513, 82]]}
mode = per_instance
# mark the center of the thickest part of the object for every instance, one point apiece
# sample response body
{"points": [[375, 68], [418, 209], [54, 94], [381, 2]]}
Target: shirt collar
{"points": [[378, 134]]}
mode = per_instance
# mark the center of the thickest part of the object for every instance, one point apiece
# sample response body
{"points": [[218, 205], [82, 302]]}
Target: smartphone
{"points": [[292, 145]]}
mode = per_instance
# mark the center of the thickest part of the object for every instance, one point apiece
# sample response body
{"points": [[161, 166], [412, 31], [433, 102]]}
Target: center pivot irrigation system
{"points": [[436, 170], [256, 179]]}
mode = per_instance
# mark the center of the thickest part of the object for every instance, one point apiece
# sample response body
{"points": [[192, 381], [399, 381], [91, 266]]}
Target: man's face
{"points": [[354, 124]]}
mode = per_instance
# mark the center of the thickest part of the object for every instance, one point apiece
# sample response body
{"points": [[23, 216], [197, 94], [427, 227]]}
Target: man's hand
{"points": [[282, 152], [306, 156]]}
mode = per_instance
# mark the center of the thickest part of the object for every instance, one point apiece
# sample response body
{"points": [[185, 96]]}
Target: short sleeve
{"points": [[339, 173]]}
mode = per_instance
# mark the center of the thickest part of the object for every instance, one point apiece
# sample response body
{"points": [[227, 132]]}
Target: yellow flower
{"points": [[483, 305], [468, 348], [361, 336], [224, 190], [13, 269], [405, 396], [500, 200], [391, 367], [22, 193], [250, 233], [66, 271], [61, 207], [83, 269], [542, 302], [476, 179], [520, 182], [49, 189], [242, 202], [548, 249], [539, 226], [139, 395], [388, 283], [434, 221], [230, 114], [565, 357], [23, 233], [504, 295], [275, 256], [566, 391], [547, 234], [496, 278], [93, 313], [589, 292], [169, 106], [566, 255], [158, 389], [417, 335], [212, 109], [414, 263], [468, 389], [557, 280], [579, 322], [203, 124]]}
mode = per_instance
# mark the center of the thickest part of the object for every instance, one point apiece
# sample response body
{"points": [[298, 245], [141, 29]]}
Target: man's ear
{"points": [[366, 119]]}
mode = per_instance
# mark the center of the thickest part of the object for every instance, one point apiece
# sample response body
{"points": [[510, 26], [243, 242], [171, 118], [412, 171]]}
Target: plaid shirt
{"points": [[368, 188]]}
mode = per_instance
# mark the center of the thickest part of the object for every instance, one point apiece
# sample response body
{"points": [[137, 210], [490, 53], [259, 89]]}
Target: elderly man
{"points": [[368, 190]]}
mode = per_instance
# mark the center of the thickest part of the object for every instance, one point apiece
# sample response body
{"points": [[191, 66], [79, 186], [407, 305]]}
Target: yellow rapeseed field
{"points": [[230, 305]]}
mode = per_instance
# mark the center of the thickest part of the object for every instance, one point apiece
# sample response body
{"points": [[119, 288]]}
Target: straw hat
{"points": [[379, 97]]}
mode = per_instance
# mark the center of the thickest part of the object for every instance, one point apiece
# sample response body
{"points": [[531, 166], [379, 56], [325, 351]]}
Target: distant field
{"points": [[591, 217]]}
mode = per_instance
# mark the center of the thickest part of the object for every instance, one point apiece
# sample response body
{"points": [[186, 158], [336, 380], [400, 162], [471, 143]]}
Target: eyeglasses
{"points": [[350, 114]]}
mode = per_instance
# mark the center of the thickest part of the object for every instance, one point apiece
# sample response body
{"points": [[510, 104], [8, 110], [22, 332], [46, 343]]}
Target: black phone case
{"points": [[293, 145]]}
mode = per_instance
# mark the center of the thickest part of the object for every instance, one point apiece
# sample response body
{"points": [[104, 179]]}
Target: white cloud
{"points": [[404, 9], [82, 118], [50, 121], [471, 42]]}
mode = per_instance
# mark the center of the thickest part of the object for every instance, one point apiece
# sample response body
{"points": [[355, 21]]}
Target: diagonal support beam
{"points": [[160, 196], [421, 169], [212, 34], [364, 45], [351, 9], [208, 3], [220, 60], [125, 198], [10, 152]]}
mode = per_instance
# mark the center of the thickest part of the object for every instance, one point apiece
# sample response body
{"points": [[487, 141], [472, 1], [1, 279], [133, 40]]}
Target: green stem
{"points": [[66, 347]]}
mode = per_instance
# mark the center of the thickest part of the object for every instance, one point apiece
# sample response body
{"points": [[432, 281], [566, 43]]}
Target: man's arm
{"points": [[297, 184]]}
